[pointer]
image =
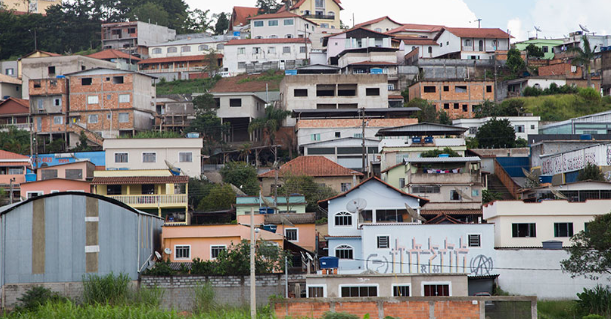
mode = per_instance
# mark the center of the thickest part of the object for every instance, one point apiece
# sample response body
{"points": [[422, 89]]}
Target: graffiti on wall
{"points": [[445, 257], [576, 160]]}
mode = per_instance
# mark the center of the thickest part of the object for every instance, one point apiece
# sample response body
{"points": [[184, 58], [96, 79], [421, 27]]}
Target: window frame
{"points": [[124, 98], [126, 157], [212, 247], [392, 289], [479, 240], [291, 20], [61, 120], [345, 215], [190, 155], [387, 242], [94, 117], [272, 23], [149, 153], [176, 250], [39, 193], [569, 230], [342, 286], [258, 23], [532, 229], [436, 283], [324, 290], [344, 247], [119, 117], [296, 234], [90, 99]]}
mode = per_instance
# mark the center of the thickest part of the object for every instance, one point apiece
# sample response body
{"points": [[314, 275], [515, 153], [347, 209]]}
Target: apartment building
{"points": [[382, 24], [326, 13], [522, 125], [189, 47], [457, 98], [472, 43], [9, 87], [239, 109], [134, 37], [239, 18], [178, 67], [355, 38], [281, 25], [15, 113], [48, 107], [257, 55]]}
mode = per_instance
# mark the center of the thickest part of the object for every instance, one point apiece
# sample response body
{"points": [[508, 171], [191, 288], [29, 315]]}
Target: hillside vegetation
{"points": [[565, 106]]}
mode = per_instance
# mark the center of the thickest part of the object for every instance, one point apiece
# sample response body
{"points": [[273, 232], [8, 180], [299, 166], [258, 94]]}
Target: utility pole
{"points": [[253, 301], [363, 139], [11, 194]]}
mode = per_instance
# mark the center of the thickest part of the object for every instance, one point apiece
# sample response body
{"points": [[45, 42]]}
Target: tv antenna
{"points": [[584, 28], [167, 251], [537, 30], [173, 169], [479, 22]]}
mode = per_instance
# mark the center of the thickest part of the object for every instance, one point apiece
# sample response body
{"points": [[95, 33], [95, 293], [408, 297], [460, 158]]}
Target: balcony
{"points": [[445, 178], [319, 16], [20, 126], [152, 201]]}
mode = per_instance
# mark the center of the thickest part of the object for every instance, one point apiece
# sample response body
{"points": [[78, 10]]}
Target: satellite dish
{"points": [[309, 256], [173, 169], [158, 255], [584, 28], [538, 29], [356, 205], [462, 194], [167, 251], [237, 190], [413, 214]]}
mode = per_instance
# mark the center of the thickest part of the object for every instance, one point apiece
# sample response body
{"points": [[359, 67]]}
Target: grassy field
{"points": [[561, 107], [557, 309]]}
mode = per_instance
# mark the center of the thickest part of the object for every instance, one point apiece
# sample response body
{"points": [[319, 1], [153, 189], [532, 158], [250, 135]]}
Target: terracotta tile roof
{"points": [[355, 122], [486, 33], [10, 155], [14, 105], [362, 24], [316, 166], [451, 212], [266, 41], [139, 180], [244, 83], [324, 201], [178, 59], [443, 218], [40, 51], [373, 63], [112, 54], [416, 27], [9, 79], [395, 97], [418, 41], [5, 164], [240, 15], [281, 14]]}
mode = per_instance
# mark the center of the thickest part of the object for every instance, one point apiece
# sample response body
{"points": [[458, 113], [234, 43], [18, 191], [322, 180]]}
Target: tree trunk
{"points": [[589, 76]]}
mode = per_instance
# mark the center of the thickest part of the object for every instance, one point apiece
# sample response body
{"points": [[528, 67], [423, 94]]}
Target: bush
{"points": [[161, 268], [589, 94], [150, 297], [109, 289], [203, 298], [201, 267], [339, 315], [593, 316], [595, 301], [38, 296]]}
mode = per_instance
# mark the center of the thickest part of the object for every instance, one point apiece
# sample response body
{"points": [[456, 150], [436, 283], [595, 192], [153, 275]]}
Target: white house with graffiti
{"points": [[565, 165], [371, 229]]}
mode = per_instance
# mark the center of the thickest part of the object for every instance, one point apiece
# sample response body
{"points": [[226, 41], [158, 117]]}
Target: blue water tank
{"points": [[270, 227], [444, 155], [585, 137], [266, 210], [329, 262], [60, 76], [30, 177]]}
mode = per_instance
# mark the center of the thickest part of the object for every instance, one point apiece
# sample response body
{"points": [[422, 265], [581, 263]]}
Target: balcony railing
{"points": [[20, 126], [319, 16], [151, 200]]}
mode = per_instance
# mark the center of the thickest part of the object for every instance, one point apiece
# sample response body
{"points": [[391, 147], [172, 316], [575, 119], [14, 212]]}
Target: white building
{"points": [[281, 25], [472, 43], [426, 48], [152, 153], [239, 109], [188, 47], [320, 130], [252, 55], [522, 125]]}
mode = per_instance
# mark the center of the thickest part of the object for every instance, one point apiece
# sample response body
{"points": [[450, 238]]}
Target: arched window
{"points": [[186, 48], [288, 36], [344, 252], [157, 51], [343, 219], [172, 50], [430, 49]]}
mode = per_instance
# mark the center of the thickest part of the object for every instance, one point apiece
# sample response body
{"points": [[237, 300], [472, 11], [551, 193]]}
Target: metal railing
{"points": [[151, 199], [20, 126], [319, 16]]}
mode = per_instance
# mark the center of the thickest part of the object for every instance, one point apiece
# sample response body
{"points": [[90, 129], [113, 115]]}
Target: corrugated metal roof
{"points": [[123, 180], [302, 218], [422, 129]]}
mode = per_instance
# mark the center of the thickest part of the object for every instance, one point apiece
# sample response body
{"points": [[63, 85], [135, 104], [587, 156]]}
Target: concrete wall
{"points": [[10, 90], [296, 30], [252, 107], [232, 58]]}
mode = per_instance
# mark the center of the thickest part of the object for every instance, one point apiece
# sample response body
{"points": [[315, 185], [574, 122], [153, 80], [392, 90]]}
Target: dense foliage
{"points": [[219, 197], [596, 301], [16, 141], [534, 51], [496, 134], [515, 64], [590, 172], [590, 252], [437, 152], [553, 89], [305, 185], [241, 175], [428, 113]]}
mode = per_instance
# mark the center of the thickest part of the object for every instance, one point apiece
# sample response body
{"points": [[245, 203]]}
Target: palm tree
{"points": [[584, 57], [270, 123]]}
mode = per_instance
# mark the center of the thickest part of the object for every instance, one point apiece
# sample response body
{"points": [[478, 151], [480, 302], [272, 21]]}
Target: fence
{"points": [[504, 177]]}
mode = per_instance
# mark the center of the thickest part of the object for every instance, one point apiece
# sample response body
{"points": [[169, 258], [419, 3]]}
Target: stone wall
{"points": [[229, 290]]}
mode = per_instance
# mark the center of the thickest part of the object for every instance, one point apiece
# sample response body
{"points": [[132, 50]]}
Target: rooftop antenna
{"points": [[479, 22], [584, 28], [537, 30]]}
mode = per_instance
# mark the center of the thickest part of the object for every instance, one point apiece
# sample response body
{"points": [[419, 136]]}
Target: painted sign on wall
{"points": [[575, 160]]}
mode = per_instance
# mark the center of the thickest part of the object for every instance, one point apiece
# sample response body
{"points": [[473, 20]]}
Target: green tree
{"points": [[437, 152], [515, 64], [82, 146], [496, 134], [428, 113], [270, 123], [534, 51], [241, 175], [236, 260], [267, 6], [222, 23], [212, 62], [590, 172], [199, 21], [590, 252], [151, 13], [490, 196], [16, 141], [584, 56], [198, 189], [306, 186], [220, 197]]}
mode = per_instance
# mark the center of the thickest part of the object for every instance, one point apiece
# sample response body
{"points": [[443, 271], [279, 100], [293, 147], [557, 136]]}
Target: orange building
{"points": [[55, 185], [12, 171], [457, 98]]}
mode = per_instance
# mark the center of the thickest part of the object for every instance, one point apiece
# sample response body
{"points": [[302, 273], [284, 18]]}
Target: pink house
{"points": [[55, 185], [12, 170], [82, 170]]}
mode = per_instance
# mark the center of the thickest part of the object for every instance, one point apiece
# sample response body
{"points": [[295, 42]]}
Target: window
{"points": [[92, 99], [519, 128], [286, 49], [57, 101], [182, 252], [113, 190], [436, 290], [524, 230], [123, 117], [315, 137], [203, 47], [149, 157], [172, 50], [86, 81], [346, 187], [185, 157], [474, 240], [256, 50], [446, 106], [289, 21], [359, 291], [58, 120], [291, 234], [473, 130], [242, 50], [15, 170], [10, 71], [456, 106], [215, 250], [426, 189], [454, 195], [357, 135], [258, 23], [148, 189], [429, 89], [316, 292], [460, 89], [401, 182], [49, 174], [235, 102], [131, 30], [157, 51], [241, 65], [93, 118], [344, 252], [446, 88], [302, 49], [220, 46], [563, 229], [465, 108], [430, 50], [383, 242], [372, 91], [545, 49], [488, 88], [51, 70], [343, 219], [35, 194], [532, 127], [123, 98], [400, 291], [272, 23], [468, 42], [300, 92], [121, 157], [185, 48], [117, 80], [74, 174]]}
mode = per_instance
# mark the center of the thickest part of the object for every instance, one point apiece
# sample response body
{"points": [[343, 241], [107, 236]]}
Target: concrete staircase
{"points": [[495, 185], [93, 137]]}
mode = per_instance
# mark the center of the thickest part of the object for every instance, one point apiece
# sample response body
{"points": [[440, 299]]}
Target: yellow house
{"points": [[32, 6], [35, 54], [323, 12], [153, 191]]}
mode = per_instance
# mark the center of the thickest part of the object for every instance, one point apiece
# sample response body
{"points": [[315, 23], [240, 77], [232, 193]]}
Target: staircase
{"points": [[93, 137], [495, 185]]}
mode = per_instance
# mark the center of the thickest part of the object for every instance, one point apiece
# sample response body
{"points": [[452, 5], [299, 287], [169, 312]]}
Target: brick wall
{"points": [[405, 307], [457, 98], [561, 69]]}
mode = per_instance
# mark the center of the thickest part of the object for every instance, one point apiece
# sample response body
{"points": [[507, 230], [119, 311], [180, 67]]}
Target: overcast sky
{"points": [[554, 17]]}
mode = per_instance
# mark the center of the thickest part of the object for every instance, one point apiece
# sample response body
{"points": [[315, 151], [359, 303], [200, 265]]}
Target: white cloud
{"points": [[517, 31], [559, 17]]}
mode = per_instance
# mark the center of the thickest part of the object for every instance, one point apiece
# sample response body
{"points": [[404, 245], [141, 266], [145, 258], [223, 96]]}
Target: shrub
{"points": [[589, 94], [593, 316], [203, 298], [149, 297], [595, 301], [38, 296], [201, 267], [160, 269], [339, 315], [109, 289]]}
